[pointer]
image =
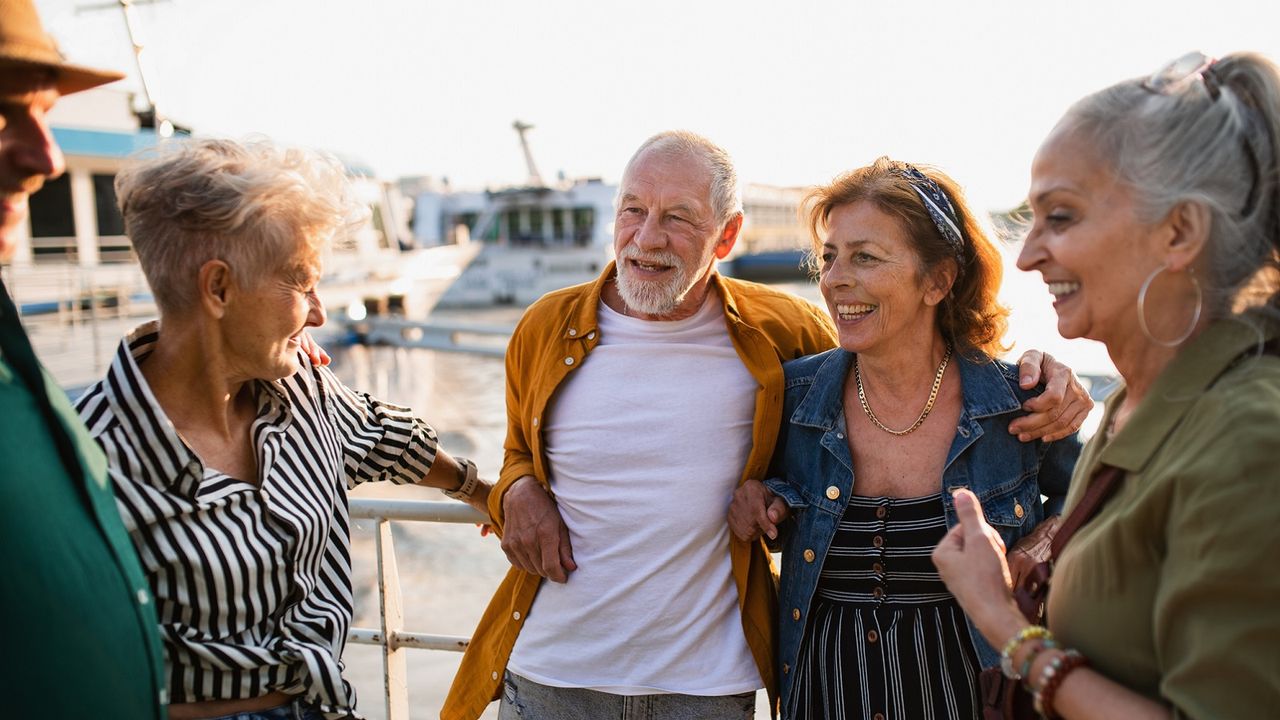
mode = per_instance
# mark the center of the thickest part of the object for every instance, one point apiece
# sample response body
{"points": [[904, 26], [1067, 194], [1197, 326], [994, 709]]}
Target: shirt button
{"points": [[795, 614], [568, 361], [878, 716], [878, 569], [878, 593], [573, 332], [881, 512], [164, 697], [143, 598], [1017, 510], [840, 436], [809, 556], [535, 422], [515, 615], [786, 668], [591, 335], [872, 636], [833, 492], [877, 541], [494, 675]]}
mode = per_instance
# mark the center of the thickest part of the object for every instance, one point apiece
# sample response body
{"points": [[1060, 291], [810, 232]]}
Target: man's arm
{"points": [[1056, 412], [534, 536]]}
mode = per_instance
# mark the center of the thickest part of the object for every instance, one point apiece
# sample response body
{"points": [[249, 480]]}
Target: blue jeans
{"points": [[298, 709], [524, 699]]}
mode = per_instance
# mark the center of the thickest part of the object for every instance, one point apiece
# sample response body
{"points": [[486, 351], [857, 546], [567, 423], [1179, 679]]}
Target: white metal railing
{"points": [[391, 635]]}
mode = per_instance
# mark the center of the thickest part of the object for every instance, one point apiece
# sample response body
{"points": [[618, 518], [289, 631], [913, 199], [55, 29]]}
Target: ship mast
{"points": [[535, 178], [164, 128]]}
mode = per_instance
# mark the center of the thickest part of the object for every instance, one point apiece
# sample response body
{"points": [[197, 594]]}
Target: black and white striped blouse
{"points": [[252, 582]]}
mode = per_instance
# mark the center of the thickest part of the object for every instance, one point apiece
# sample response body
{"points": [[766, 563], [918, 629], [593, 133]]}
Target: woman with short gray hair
{"points": [[232, 454], [1157, 230]]}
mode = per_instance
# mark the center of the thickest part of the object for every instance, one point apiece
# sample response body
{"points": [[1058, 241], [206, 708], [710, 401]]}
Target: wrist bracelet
{"points": [[1015, 642], [1025, 671], [1051, 679], [468, 480]]}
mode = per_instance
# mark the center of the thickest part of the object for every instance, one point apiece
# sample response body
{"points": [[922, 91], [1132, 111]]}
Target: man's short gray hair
{"points": [[726, 197], [251, 204]]}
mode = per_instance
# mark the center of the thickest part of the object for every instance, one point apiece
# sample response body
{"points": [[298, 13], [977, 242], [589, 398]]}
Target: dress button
{"points": [[1017, 510], [795, 614], [881, 512], [878, 569], [809, 556], [872, 636], [573, 332], [568, 361], [877, 541], [833, 492]]}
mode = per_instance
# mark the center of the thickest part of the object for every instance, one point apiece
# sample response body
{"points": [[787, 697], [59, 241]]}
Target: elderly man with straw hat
{"points": [[77, 625]]}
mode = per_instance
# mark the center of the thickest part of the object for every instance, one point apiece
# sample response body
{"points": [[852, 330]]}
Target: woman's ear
{"points": [[1184, 234], [939, 281], [214, 284]]}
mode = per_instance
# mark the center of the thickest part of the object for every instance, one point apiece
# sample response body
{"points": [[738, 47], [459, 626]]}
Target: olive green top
{"points": [[1173, 589], [78, 632]]}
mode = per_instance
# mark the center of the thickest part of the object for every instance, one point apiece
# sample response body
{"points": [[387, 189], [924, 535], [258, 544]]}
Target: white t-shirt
{"points": [[646, 442]]}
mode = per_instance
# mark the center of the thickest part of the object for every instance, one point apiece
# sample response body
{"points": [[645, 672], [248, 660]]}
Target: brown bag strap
{"points": [[1034, 588], [1101, 486]]}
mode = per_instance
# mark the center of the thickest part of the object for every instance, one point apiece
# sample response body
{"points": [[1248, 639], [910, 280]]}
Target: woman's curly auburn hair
{"points": [[970, 317]]}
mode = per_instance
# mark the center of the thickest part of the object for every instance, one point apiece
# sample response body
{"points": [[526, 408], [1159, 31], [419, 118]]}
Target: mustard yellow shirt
{"points": [[1173, 589], [553, 338]]}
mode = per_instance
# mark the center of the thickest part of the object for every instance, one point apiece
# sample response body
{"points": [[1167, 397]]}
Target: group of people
{"points": [[178, 542]]}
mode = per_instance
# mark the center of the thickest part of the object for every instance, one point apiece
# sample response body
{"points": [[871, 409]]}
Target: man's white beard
{"points": [[654, 297]]}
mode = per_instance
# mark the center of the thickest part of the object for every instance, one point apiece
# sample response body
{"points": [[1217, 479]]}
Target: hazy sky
{"points": [[797, 91]]}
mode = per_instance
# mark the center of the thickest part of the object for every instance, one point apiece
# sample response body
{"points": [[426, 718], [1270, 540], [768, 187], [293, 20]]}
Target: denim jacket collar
{"points": [[986, 391]]}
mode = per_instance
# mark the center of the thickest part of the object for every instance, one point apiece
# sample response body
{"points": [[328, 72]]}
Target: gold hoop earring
{"points": [[1142, 309]]}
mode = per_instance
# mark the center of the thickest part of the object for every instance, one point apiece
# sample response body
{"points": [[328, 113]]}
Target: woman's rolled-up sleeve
{"points": [[380, 440]]}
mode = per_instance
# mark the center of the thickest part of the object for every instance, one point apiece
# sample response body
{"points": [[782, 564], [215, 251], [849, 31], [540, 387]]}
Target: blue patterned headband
{"points": [[940, 210]]}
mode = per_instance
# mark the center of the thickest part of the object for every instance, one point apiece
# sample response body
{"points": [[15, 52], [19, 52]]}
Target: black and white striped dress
{"points": [[252, 581], [885, 640]]}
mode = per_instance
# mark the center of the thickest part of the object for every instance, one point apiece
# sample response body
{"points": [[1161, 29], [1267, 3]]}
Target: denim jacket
{"points": [[812, 456]]}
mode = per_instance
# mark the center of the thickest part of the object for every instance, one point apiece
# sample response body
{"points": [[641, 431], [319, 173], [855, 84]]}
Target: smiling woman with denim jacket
{"points": [[875, 435]]}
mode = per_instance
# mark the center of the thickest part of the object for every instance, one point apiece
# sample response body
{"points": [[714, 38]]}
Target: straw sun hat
{"points": [[23, 42]]}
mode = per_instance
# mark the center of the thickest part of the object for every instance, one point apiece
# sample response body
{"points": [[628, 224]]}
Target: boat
{"points": [[535, 237], [73, 254], [774, 243]]}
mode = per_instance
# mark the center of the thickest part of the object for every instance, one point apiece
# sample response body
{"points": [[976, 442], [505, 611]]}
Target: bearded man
{"points": [[636, 404]]}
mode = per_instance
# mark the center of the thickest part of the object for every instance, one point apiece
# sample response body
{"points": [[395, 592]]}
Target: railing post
{"points": [[393, 656]]}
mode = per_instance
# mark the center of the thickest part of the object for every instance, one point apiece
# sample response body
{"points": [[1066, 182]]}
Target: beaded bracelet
{"points": [[1051, 679], [1011, 648], [1025, 671]]}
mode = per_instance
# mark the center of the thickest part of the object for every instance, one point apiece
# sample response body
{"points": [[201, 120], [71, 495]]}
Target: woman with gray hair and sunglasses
{"points": [[1157, 228]]}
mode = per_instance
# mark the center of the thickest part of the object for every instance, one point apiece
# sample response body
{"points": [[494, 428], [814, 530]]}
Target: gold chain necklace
{"points": [[933, 395]]}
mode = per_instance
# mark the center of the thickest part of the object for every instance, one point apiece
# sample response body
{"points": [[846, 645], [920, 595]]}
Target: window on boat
{"points": [[53, 225], [584, 219], [113, 246]]}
